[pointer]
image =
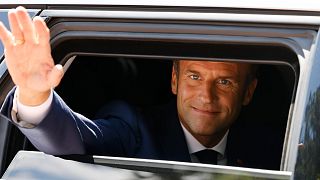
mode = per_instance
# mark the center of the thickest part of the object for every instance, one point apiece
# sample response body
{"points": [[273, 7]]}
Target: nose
{"points": [[207, 93]]}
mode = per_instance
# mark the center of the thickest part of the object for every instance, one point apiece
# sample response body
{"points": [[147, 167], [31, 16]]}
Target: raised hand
{"points": [[28, 57]]}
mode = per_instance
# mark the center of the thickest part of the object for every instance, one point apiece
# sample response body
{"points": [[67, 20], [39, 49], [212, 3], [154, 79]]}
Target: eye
{"points": [[194, 77], [224, 82]]}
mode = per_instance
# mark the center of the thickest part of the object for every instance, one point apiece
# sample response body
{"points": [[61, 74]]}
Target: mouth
{"points": [[205, 111]]}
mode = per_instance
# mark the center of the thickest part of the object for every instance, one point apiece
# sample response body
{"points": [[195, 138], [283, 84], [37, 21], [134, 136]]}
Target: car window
{"points": [[268, 113], [42, 166]]}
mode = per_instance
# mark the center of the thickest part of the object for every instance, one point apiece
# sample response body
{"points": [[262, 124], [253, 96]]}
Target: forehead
{"points": [[209, 66]]}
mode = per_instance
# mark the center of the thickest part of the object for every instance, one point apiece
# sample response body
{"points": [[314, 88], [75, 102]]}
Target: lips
{"points": [[206, 111]]}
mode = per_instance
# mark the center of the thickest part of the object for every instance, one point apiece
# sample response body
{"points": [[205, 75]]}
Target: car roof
{"points": [[295, 5]]}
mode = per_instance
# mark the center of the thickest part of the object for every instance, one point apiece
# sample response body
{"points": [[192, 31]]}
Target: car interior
{"points": [[90, 82]]}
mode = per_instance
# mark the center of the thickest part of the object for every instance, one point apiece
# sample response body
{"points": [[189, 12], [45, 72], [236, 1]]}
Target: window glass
{"points": [[4, 20], [32, 163]]}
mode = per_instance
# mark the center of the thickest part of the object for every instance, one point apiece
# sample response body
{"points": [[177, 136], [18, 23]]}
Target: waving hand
{"points": [[28, 57]]}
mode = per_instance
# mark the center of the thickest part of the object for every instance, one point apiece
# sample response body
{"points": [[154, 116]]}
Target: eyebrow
{"points": [[192, 71], [235, 77]]}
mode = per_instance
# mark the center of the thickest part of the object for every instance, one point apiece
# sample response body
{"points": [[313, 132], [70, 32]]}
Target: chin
{"points": [[204, 131]]}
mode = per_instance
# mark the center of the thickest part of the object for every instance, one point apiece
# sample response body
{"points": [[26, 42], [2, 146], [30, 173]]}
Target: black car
{"points": [[123, 50]]}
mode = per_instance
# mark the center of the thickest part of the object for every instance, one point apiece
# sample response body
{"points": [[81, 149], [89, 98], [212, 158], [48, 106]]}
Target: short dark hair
{"points": [[176, 67]]}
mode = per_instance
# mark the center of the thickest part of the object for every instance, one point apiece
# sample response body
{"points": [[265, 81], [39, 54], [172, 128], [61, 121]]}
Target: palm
{"points": [[28, 56], [29, 66]]}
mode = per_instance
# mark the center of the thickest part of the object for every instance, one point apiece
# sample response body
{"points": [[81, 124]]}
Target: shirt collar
{"points": [[194, 145]]}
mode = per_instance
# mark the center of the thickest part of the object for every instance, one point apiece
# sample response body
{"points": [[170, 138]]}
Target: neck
{"points": [[209, 141]]}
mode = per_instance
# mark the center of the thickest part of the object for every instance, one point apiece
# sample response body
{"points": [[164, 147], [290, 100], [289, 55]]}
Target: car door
{"points": [[75, 30]]}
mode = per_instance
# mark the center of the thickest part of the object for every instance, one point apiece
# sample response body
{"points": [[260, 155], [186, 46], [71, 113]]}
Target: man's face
{"points": [[210, 95]]}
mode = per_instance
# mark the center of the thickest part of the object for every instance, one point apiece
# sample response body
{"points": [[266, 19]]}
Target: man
{"points": [[209, 99]]}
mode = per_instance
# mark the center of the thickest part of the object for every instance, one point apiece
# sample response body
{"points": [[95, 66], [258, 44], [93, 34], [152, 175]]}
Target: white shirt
{"points": [[35, 114], [29, 114], [194, 146]]}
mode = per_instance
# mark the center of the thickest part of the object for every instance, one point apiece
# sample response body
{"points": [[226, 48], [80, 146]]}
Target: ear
{"points": [[249, 92], [174, 83]]}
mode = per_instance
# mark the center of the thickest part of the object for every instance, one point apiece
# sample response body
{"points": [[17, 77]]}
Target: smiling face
{"points": [[210, 96]]}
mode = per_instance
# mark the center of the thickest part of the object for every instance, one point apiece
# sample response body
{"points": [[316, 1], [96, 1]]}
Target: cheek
{"points": [[186, 93], [231, 102]]}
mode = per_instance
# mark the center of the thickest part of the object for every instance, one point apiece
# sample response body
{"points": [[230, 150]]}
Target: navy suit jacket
{"points": [[119, 130]]}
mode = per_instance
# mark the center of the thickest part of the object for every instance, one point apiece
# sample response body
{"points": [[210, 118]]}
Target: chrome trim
{"points": [[189, 16], [310, 5]]}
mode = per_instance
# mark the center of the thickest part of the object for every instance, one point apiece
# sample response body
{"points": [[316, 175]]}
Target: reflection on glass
{"points": [[4, 20], [37, 165], [308, 162]]}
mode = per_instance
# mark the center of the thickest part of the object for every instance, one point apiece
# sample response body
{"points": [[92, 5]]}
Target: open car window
{"points": [[92, 80], [145, 83]]}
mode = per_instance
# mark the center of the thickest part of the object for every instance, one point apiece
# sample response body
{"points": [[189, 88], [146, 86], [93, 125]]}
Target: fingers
{"points": [[24, 29], [15, 26], [5, 35], [42, 30], [26, 24], [56, 75]]}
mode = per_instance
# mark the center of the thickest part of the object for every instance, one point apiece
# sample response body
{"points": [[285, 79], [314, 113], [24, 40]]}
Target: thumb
{"points": [[55, 75]]}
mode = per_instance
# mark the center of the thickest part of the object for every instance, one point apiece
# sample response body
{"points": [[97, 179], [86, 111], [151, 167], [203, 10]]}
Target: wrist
{"points": [[29, 97]]}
